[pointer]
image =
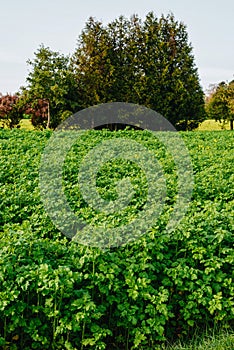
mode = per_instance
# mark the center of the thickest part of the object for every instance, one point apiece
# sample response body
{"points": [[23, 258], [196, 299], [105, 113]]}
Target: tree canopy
{"points": [[220, 103], [11, 110], [51, 89], [146, 62]]}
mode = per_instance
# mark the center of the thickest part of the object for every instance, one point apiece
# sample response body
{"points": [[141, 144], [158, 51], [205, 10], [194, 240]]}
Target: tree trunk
{"points": [[231, 124], [48, 120]]}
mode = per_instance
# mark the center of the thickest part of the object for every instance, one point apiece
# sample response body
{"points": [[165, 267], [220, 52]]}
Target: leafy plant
{"points": [[58, 294]]}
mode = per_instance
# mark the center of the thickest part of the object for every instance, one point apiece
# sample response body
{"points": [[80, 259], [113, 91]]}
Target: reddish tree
{"points": [[11, 110], [39, 112]]}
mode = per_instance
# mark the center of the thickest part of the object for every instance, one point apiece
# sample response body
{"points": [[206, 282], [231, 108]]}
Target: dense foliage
{"points": [[56, 294], [11, 110], [51, 91], [146, 62], [220, 103]]}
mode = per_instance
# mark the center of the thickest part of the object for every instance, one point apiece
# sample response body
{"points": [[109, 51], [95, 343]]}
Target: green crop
{"points": [[58, 294]]}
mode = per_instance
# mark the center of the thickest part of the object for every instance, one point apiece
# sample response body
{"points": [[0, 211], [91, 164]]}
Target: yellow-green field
{"points": [[207, 125], [210, 125], [26, 124]]}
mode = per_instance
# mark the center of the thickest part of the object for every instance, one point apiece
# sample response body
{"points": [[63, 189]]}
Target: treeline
{"points": [[147, 62]]}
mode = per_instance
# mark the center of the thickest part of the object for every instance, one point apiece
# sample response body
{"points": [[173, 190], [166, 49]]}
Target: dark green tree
{"points": [[220, 103], [171, 80], [50, 82], [125, 38], [106, 61], [146, 62], [93, 65]]}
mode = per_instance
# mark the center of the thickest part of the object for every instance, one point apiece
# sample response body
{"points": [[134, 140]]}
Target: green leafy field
{"points": [[57, 294]]}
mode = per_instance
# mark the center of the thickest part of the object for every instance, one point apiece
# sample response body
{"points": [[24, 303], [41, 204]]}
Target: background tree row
{"points": [[146, 62]]}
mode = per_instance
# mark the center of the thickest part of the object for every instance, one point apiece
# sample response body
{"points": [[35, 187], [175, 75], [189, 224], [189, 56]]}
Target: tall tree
{"points": [[220, 103], [51, 88], [171, 79], [92, 64], [146, 62]]}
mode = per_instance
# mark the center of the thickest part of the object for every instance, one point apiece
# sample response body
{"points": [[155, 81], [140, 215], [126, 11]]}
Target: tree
{"points": [[11, 110], [145, 62], [51, 88], [171, 80], [39, 112], [220, 103], [92, 64]]}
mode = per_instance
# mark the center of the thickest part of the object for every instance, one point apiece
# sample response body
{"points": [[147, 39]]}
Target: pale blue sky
{"points": [[25, 24]]}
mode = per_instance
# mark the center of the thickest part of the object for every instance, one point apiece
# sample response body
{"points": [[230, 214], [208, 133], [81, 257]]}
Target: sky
{"points": [[25, 24]]}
